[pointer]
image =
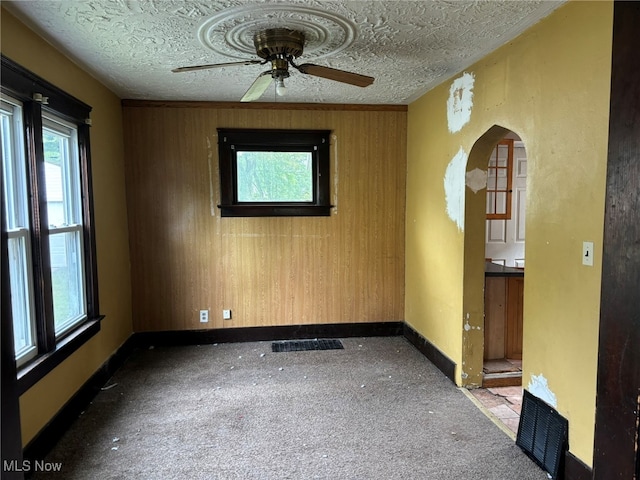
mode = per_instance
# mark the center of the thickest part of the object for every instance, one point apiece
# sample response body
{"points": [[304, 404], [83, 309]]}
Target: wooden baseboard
{"points": [[41, 445], [258, 334], [46, 439], [429, 350], [576, 469]]}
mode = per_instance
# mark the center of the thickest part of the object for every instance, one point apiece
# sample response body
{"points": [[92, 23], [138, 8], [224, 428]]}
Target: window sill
{"points": [[275, 210], [34, 371]]}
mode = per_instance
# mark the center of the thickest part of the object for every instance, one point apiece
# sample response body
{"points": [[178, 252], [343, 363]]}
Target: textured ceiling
{"points": [[408, 46]]}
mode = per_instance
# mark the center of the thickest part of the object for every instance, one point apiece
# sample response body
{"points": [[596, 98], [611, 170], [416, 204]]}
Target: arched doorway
{"points": [[504, 263], [475, 265]]}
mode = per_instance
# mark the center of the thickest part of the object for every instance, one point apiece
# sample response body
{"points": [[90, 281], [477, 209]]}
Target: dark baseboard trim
{"points": [[576, 469], [429, 350], [41, 445], [259, 334], [47, 438]]}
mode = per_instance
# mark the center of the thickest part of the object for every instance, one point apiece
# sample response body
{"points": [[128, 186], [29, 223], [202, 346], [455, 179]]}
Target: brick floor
{"points": [[504, 402]]}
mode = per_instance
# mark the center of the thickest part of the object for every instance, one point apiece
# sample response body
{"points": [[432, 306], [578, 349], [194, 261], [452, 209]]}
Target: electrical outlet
{"points": [[204, 316], [226, 314]]}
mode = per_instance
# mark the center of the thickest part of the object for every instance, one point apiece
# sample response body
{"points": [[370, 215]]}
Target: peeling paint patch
{"points": [[454, 181], [476, 180], [467, 326], [539, 387], [460, 102]]}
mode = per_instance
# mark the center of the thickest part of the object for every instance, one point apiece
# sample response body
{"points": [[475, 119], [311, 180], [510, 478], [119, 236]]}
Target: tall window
{"points": [[64, 214], [49, 228], [15, 200]]}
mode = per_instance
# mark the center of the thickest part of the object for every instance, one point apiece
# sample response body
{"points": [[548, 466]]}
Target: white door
{"points": [[505, 238]]}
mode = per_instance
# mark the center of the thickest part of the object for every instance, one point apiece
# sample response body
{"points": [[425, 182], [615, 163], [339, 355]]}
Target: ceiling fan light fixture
{"points": [[281, 89]]}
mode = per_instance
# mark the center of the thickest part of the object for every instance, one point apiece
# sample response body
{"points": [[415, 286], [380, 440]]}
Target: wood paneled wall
{"points": [[345, 268]]}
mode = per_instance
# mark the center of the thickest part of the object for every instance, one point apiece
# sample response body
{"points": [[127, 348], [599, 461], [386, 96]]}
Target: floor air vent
{"points": [[301, 345], [542, 433]]}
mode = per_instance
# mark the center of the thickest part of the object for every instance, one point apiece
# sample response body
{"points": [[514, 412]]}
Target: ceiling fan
{"points": [[280, 46]]}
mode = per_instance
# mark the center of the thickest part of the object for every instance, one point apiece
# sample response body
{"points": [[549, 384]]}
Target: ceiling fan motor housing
{"points": [[279, 43]]}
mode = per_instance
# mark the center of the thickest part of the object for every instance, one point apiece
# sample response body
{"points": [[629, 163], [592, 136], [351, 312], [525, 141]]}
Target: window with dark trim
{"points": [[499, 180], [48, 222], [274, 172]]}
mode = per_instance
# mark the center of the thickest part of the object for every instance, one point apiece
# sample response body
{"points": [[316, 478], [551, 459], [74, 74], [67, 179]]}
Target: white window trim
{"points": [[18, 218]]}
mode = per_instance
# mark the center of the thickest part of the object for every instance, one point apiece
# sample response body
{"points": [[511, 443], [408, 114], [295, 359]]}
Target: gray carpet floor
{"points": [[376, 410]]}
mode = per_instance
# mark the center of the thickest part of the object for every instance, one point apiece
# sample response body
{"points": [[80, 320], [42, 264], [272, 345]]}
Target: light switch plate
{"points": [[587, 254]]}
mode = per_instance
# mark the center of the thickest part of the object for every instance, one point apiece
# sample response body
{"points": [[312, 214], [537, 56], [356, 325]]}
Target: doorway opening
{"points": [[505, 261], [494, 261]]}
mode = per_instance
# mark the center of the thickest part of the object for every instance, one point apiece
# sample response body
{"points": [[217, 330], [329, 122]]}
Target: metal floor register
{"points": [[302, 345]]}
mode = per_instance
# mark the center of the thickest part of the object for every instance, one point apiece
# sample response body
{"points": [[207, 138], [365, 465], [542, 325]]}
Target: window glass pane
{"points": [[491, 181], [501, 202], [19, 245], [21, 307], [14, 166], [9, 199], [65, 223], [503, 155], [274, 176], [69, 306], [491, 205], [61, 173]]}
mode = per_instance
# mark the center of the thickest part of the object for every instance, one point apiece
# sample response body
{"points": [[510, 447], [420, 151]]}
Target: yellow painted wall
{"points": [[43, 400], [551, 87]]}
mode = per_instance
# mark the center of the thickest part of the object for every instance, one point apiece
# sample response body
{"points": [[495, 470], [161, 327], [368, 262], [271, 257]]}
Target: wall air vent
{"points": [[542, 433]]}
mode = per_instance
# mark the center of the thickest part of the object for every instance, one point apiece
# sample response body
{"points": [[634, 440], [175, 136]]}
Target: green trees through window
{"points": [[274, 176]]}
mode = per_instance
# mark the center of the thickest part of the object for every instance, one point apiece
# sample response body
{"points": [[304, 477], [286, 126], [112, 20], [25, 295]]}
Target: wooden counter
{"points": [[503, 298]]}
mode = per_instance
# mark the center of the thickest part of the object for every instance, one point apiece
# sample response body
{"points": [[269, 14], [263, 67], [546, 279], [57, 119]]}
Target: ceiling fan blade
{"points": [[215, 65], [335, 74], [258, 87]]}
